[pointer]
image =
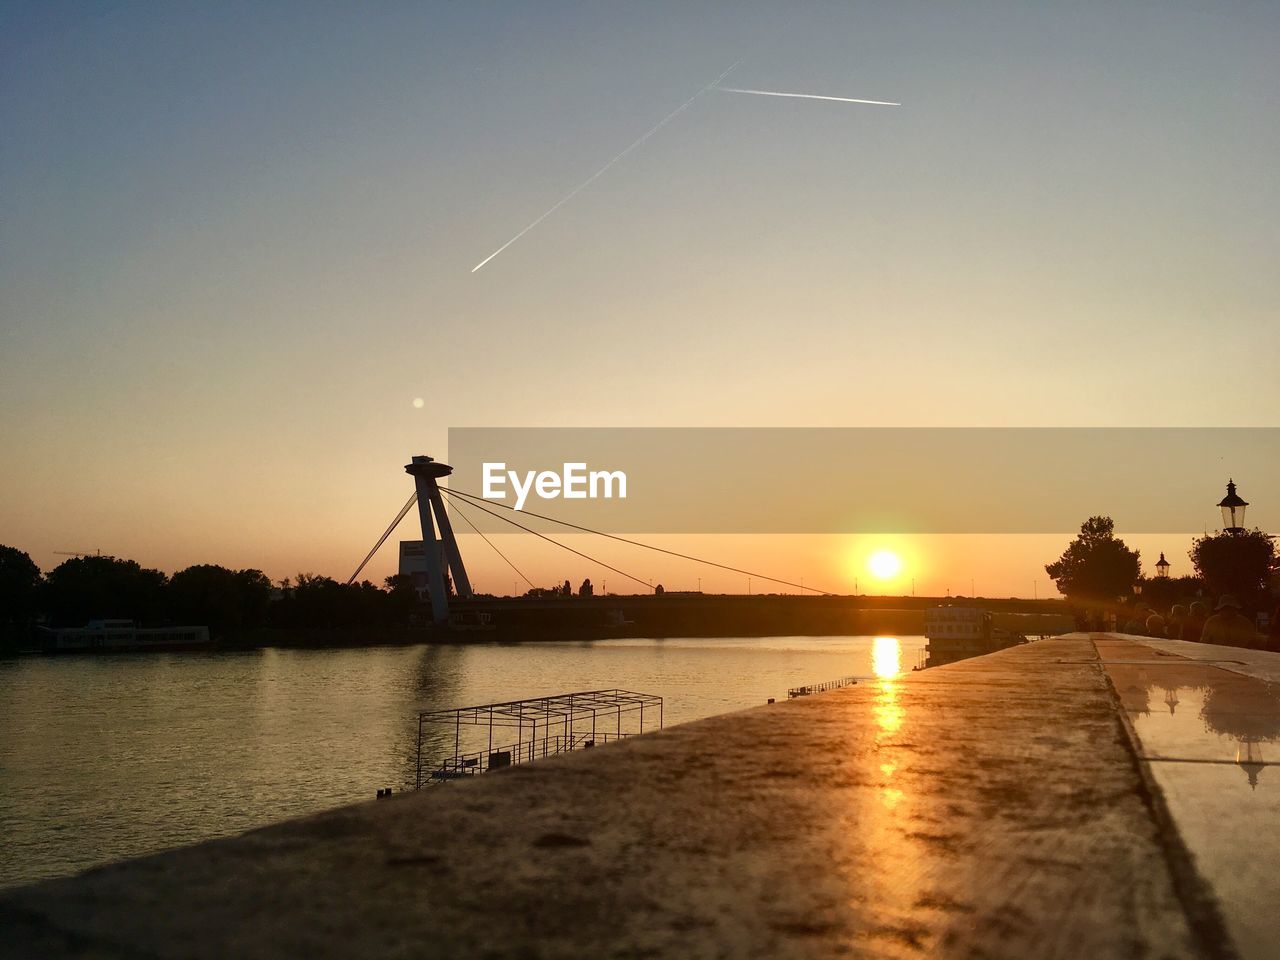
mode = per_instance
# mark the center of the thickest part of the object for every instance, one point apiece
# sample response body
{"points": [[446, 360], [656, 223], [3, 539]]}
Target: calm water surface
{"points": [[103, 758]]}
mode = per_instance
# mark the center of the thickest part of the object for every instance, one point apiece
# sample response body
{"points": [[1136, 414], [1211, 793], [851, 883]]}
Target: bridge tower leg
{"points": [[426, 473]]}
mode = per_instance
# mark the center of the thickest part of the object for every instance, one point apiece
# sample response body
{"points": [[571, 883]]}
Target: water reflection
{"points": [[1249, 758], [1214, 725], [886, 663], [1247, 713], [109, 757], [1205, 713], [886, 657]]}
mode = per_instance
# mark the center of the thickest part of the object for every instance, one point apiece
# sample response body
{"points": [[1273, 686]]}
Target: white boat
{"points": [[121, 636], [956, 633]]}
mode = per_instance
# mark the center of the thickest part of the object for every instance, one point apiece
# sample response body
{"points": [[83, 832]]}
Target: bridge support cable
{"points": [[543, 536], [457, 508], [383, 539], [472, 499]]}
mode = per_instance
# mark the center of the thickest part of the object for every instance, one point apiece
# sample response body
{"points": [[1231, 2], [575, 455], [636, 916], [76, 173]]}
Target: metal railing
{"points": [[578, 720], [823, 687], [482, 761]]}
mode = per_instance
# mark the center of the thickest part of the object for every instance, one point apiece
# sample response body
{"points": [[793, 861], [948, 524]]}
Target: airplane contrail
{"points": [[595, 176], [807, 96]]}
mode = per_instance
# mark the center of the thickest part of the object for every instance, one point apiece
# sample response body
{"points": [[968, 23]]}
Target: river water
{"points": [[103, 758]]}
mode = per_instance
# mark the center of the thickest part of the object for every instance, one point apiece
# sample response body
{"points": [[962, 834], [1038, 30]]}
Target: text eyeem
{"points": [[574, 482]]}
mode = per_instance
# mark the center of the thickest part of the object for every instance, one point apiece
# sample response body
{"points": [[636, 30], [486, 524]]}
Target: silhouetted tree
{"points": [[1237, 563], [402, 596], [98, 588], [19, 586], [586, 590], [322, 602], [1163, 592], [1096, 565], [659, 590], [548, 593], [566, 590], [219, 598]]}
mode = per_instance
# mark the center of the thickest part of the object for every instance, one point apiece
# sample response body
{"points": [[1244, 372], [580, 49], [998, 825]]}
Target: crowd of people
{"points": [[1224, 624]]}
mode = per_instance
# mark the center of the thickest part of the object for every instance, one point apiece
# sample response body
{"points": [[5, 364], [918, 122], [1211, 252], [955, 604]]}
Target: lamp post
{"points": [[1162, 567], [1232, 507]]}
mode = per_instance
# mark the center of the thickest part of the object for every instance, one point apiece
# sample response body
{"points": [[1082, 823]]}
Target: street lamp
{"points": [[1232, 507], [1162, 566]]}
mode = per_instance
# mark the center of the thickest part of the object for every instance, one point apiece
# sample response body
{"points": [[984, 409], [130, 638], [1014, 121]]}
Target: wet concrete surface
{"points": [[989, 808], [1207, 723]]}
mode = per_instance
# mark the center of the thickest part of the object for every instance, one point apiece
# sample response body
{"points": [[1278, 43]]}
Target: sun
{"points": [[884, 564]]}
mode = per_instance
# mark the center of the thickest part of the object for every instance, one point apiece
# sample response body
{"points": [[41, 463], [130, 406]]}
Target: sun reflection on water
{"points": [[886, 657], [886, 663]]}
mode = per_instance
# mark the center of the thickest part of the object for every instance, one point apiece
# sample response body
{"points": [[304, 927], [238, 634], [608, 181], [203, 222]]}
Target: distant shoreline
{"points": [[579, 619]]}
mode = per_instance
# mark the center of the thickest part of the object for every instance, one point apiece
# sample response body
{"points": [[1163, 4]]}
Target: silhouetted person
{"points": [[1228, 627], [1193, 626], [1136, 623], [1155, 625], [1177, 616]]}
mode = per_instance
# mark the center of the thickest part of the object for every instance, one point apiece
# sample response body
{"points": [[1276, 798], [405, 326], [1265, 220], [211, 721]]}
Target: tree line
{"points": [[225, 600], [1099, 570]]}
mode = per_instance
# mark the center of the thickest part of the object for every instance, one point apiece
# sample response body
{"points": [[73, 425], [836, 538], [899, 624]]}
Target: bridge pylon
{"points": [[426, 473]]}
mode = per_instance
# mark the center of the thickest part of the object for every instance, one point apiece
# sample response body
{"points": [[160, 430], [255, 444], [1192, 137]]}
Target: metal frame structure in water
{"points": [[567, 721], [824, 686]]}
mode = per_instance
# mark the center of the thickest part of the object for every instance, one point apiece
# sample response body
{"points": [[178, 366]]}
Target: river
{"points": [[103, 758]]}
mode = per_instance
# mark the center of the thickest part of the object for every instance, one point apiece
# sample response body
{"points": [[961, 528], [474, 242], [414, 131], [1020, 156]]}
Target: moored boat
{"points": [[121, 636], [957, 633]]}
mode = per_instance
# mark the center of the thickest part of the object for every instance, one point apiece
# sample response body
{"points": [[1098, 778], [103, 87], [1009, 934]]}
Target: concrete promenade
{"points": [[1029, 803]]}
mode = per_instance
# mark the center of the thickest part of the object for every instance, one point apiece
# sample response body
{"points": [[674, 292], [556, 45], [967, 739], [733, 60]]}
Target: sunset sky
{"points": [[236, 243]]}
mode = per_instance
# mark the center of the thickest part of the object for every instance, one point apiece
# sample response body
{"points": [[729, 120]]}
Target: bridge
{"points": [[443, 557]]}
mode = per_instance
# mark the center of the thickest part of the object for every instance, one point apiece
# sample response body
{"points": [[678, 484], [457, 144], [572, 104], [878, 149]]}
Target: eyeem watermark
{"points": [[573, 482], [867, 480]]}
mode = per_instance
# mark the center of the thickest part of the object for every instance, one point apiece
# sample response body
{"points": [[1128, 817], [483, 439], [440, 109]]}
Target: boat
{"points": [[121, 636], [957, 633], [471, 621]]}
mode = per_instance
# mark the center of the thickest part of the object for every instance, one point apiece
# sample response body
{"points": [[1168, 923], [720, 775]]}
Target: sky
{"points": [[237, 241]]}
